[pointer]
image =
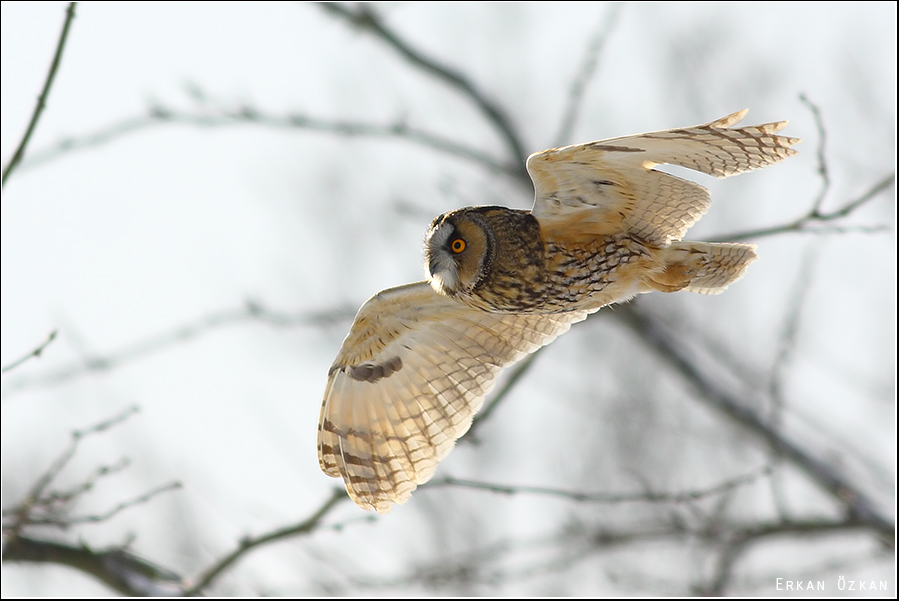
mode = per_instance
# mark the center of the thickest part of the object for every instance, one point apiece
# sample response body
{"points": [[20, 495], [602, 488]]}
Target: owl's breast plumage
{"points": [[587, 276], [529, 273]]}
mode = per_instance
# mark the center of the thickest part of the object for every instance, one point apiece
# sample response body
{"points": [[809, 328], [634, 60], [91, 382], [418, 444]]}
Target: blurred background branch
{"points": [[365, 18], [46, 505], [252, 311], [35, 353], [116, 567], [677, 356], [587, 497], [42, 97], [213, 117], [248, 544], [586, 73]]}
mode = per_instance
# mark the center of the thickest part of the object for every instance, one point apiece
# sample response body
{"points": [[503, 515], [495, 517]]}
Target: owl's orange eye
{"points": [[457, 245]]}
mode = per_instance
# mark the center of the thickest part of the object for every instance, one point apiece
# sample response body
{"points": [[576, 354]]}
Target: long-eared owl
{"points": [[501, 283]]}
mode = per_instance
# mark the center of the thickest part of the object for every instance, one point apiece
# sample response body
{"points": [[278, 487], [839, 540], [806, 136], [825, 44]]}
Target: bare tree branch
{"points": [[35, 353], [516, 372], [580, 542], [588, 67], [42, 98], [851, 206], [847, 563], [646, 497], [365, 18], [736, 541], [77, 436], [247, 544], [117, 567], [252, 311], [802, 224], [823, 169], [52, 504], [783, 358], [787, 341], [68, 521], [221, 117], [658, 339], [814, 214]]}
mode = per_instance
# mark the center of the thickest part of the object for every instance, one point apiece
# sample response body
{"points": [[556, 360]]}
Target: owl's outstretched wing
{"points": [[610, 186], [409, 378]]}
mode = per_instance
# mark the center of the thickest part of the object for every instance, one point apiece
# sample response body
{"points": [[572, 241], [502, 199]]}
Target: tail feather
{"points": [[702, 267]]}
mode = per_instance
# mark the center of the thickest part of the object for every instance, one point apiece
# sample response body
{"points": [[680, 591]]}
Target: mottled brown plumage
{"points": [[605, 226]]}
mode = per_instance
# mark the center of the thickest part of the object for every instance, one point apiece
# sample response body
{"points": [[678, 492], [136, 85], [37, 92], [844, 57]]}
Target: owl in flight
{"points": [[501, 283]]}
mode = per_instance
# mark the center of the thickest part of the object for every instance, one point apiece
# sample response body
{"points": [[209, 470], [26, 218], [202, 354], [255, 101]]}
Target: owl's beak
{"points": [[443, 273], [433, 266]]}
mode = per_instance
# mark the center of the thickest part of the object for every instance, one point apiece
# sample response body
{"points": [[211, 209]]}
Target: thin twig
{"points": [[645, 497], [848, 563], [247, 544], [365, 18], [223, 118], [585, 73], [77, 437], [849, 207], [35, 353], [68, 522], [491, 565], [678, 357], [515, 374], [786, 343], [42, 98], [823, 169], [724, 567], [786, 346], [813, 216], [51, 502], [118, 567], [139, 500], [35, 497], [738, 540], [251, 311]]}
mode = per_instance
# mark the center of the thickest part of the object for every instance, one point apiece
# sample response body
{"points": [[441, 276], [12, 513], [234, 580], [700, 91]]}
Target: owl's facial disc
{"points": [[456, 249], [440, 263]]}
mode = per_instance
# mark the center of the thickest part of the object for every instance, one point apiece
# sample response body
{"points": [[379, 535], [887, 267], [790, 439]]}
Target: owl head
{"points": [[458, 251]]}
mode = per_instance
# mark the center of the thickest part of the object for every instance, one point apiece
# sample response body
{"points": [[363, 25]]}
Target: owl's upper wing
{"points": [[610, 186], [410, 376]]}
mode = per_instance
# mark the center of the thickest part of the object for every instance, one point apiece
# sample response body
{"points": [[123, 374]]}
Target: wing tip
{"points": [[765, 128], [381, 502], [729, 120]]}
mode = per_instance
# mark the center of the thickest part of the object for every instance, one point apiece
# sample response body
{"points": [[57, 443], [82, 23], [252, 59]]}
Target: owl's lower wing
{"points": [[409, 378], [610, 186]]}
